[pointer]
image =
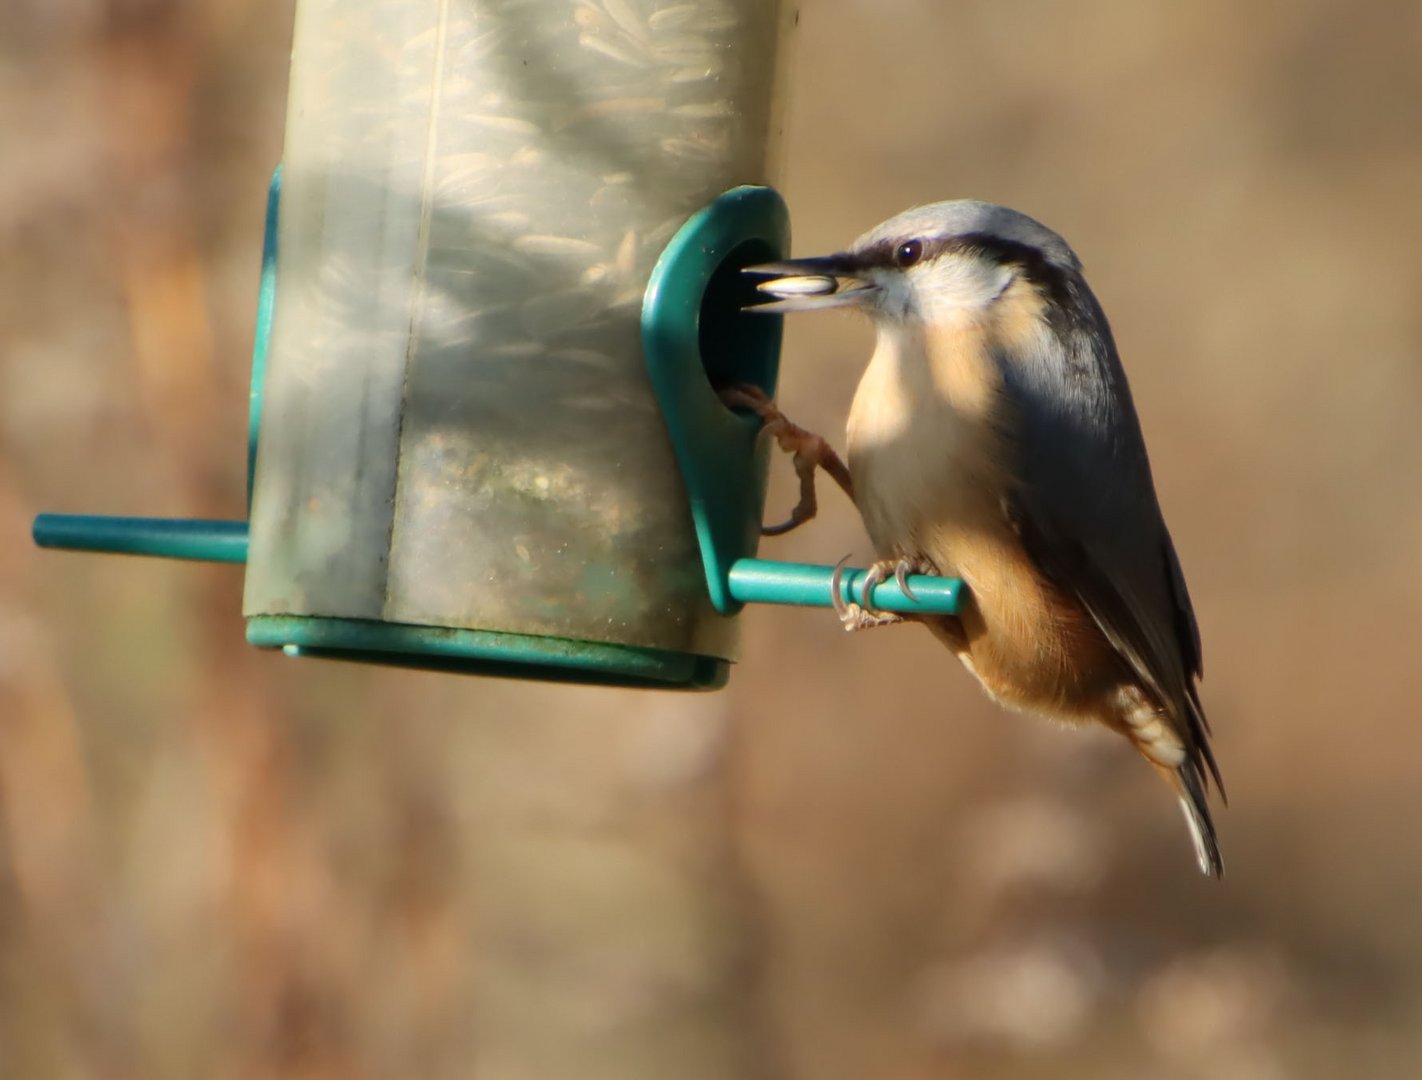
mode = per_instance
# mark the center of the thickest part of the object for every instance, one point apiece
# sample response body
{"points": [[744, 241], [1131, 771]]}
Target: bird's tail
{"points": [[1189, 783]]}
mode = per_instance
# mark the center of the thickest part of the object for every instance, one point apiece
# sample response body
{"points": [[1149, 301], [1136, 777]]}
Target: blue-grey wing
{"points": [[1087, 514]]}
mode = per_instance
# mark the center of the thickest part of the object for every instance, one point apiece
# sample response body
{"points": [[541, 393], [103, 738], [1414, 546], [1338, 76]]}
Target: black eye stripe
{"points": [[1030, 261], [886, 253]]}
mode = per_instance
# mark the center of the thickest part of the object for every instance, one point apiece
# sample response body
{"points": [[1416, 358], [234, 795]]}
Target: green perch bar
{"points": [[760, 581], [752, 581], [168, 538]]}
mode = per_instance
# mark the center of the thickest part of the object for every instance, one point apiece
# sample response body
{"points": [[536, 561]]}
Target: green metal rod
{"points": [[760, 581], [170, 538]]}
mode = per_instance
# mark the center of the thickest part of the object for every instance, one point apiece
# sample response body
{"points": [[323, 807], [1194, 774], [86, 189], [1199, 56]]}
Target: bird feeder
{"points": [[500, 285]]}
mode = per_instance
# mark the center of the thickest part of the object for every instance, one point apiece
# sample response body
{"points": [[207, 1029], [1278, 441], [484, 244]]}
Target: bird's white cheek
{"points": [[952, 289], [895, 301]]}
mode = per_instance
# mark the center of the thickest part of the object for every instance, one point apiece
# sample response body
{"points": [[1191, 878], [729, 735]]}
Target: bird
{"points": [[993, 438]]}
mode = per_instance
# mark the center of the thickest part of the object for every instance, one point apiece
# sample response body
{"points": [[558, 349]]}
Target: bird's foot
{"points": [[810, 452], [862, 614]]}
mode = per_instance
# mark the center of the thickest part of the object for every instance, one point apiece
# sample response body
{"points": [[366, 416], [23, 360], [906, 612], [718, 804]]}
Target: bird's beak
{"points": [[812, 284]]}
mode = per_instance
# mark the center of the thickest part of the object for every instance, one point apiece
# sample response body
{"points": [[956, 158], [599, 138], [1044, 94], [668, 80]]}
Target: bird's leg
{"points": [[810, 452]]}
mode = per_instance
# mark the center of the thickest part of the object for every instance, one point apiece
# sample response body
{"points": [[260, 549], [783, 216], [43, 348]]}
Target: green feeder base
{"points": [[487, 652]]}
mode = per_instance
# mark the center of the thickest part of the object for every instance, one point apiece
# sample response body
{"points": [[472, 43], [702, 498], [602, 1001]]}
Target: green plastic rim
{"points": [[696, 337], [487, 652]]}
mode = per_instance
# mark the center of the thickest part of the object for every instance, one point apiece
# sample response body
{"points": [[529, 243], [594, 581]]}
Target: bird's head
{"points": [[939, 261]]}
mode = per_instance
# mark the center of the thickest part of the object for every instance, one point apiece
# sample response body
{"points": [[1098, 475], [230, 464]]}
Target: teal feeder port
{"points": [[484, 431]]}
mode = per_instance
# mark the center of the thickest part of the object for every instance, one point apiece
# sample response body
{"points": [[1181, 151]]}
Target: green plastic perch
{"points": [[751, 581], [167, 538]]}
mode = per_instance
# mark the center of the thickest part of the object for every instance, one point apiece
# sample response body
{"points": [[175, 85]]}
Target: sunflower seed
{"points": [[691, 149], [626, 256], [510, 350], [512, 124], [802, 285], [537, 244], [613, 49], [671, 18], [615, 107], [515, 220], [709, 69], [623, 15], [711, 110]]}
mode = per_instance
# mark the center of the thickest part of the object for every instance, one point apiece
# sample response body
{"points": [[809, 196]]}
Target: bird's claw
{"points": [[899, 569], [855, 615], [901, 573]]}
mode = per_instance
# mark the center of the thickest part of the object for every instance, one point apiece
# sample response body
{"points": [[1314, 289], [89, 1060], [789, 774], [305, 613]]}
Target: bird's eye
{"points": [[908, 253]]}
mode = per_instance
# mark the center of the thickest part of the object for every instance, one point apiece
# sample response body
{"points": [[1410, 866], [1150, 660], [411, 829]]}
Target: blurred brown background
{"points": [[220, 863]]}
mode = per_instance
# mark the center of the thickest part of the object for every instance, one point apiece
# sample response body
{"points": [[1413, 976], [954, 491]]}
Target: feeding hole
{"points": [[738, 346]]}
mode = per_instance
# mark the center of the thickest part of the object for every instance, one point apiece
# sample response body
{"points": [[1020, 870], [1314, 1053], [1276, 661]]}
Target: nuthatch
{"points": [[993, 438]]}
